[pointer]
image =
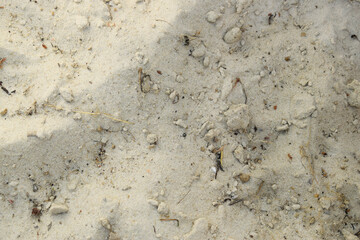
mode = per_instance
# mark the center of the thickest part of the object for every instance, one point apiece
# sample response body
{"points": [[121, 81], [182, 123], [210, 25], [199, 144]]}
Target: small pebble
{"points": [[325, 202], [199, 51], [212, 16], [105, 223], [244, 177], [233, 35], [296, 206], [58, 209], [239, 154], [163, 209], [174, 96], [180, 123], [152, 138], [153, 202], [81, 22]]}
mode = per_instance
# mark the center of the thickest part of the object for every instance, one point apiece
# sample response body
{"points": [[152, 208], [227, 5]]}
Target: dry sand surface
{"points": [[179, 119]]}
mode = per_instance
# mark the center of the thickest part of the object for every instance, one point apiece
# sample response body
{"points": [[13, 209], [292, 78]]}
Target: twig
{"points": [[236, 200], [183, 197], [260, 186], [170, 219], [2, 61], [161, 20], [91, 113]]}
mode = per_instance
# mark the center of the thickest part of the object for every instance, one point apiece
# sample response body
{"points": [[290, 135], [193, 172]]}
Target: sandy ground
{"points": [[173, 119]]}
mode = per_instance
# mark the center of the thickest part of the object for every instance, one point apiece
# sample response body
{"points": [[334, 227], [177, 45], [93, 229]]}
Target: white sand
{"points": [[278, 95]]}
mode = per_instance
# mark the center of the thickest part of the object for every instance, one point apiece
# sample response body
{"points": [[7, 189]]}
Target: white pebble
{"points": [[239, 154], [238, 117], [180, 79], [181, 123], [325, 202], [206, 61], [233, 35], [105, 223], [212, 16], [81, 22], [174, 96], [58, 209], [66, 94], [153, 202], [163, 209], [199, 51], [152, 138], [77, 116], [296, 206]]}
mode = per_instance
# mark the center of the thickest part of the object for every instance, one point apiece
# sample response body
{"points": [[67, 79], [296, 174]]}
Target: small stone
{"points": [[206, 61], [163, 209], [212, 16], [66, 94], [274, 187], [238, 117], [244, 177], [81, 22], [303, 105], [180, 79], [233, 35], [77, 116], [72, 185], [4, 112], [152, 138], [77, 1], [282, 128], [199, 51], [57, 208], [105, 223], [174, 96], [325, 202], [354, 94], [239, 154], [296, 206], [212, 135], [181, 123], [294, 199], [13, 183], [153, 202]]}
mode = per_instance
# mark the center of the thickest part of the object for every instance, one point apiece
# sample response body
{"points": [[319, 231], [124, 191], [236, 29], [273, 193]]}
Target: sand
{"points": [[132, 119]]}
